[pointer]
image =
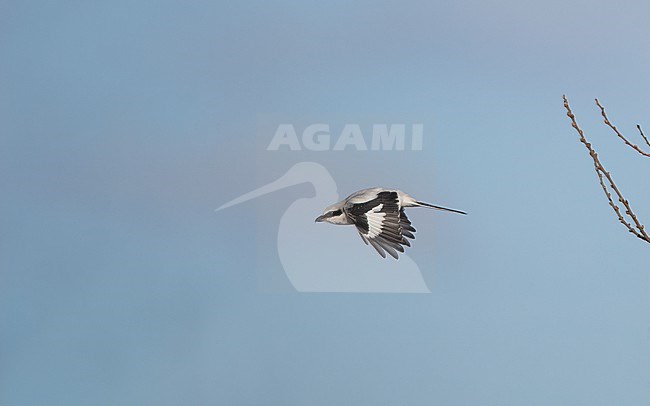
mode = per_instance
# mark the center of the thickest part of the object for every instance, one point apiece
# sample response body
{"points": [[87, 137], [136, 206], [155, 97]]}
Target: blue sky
{"points": [[124, 125]]}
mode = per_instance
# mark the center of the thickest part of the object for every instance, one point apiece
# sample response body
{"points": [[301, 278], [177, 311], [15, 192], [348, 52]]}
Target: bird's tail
{"points": [[432, 206]]}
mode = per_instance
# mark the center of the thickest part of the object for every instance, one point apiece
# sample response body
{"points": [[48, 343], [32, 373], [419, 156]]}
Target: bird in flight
{"points": [[378, 214]]}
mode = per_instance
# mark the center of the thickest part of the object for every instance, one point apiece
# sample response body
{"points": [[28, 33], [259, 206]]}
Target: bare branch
{"points": [[633, 225], [619, 135], [638, 127]]}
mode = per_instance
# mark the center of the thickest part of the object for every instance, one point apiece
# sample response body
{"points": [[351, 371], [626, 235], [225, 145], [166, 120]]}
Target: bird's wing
{"points": [[381, 222]]}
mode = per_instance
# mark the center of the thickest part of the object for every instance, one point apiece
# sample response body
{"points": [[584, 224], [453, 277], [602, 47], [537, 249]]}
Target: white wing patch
{"points": [[375, 221], [381, 221]]}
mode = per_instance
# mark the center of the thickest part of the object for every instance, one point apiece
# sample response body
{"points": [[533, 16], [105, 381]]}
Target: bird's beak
{"points": [[321, 218]]}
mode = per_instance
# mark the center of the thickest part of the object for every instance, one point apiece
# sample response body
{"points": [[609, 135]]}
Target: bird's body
{"points": [[378, 214]]}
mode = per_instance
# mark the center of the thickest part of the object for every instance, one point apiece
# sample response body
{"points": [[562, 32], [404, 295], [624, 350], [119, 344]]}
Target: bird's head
{"points": [[333, 214]]}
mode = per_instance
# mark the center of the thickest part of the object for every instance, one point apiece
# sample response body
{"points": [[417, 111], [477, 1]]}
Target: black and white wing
{"points": [[381, 222]]}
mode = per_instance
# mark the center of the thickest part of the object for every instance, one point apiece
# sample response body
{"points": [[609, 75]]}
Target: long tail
{"points": [[439, 207]]}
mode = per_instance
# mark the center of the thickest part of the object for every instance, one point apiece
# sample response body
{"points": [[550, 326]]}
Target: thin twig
{"points": [[619, 135], [637, 229], [638, 127]]}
